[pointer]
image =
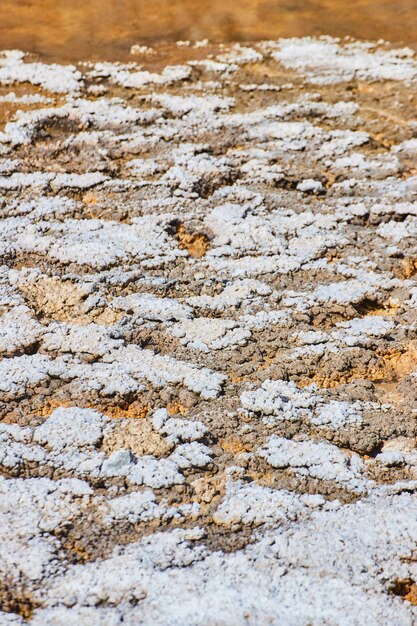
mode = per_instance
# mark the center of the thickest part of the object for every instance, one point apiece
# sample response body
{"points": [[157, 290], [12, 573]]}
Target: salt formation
{"points": [[208, 337]]}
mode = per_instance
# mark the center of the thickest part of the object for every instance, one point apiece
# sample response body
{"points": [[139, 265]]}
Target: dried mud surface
{"points": [[208, 337]]}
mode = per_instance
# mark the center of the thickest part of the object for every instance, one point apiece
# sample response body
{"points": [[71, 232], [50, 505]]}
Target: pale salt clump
{"points": [[310, 337], [398, 231], [338, 142], [251, 266], [409, 147], [138, 506], [92, 339], [35, 98], [132, 78], [361, 331], [107, 379], [137, 49], [44, 207], [356, 164], [324, 61], [96, 584], [16, 449], [344, 292], [252, 504], [18, 329], [176, 428], [156, 473], [143, 167], [78, 181], [319, 460], [119, 463], [337, 415], [72, 427], [142, 506], [241, 55], [399, 452], [163, 370], [192, 454], [356, 332], [395, 208], [19, 373], [102, 114], [151, 307], [30, 512], [121, 371], [20, 180], [207, 334], [257, 87], [9, 166], [264, 319], [260, 170], [310, 185], [242, 230], [281, 399], [95, 243], [52, 77], [196, 105], [210, 65], [233, 295]]}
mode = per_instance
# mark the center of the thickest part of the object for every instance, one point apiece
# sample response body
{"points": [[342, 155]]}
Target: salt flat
{"points": [[208, 334]]}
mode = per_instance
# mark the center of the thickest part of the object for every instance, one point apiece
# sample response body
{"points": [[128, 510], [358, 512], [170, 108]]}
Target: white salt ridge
{"points": [[19, 373], [236, 293], [162, 370], [96, 243], [206, 334], [52, 77], [18, 330], [337, 414], [156, 473], [195, 105], [319, 460], [310, 185], [281, 400], [30, 512], [151, 307], [122, 370], [193, 454], [92, 339], [252, 504], [324, 61], [102, 114], [176, 428], [142, 506], [130, 77]]}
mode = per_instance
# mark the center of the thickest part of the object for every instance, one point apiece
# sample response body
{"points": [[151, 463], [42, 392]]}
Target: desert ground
{"points": [[208, 336]]}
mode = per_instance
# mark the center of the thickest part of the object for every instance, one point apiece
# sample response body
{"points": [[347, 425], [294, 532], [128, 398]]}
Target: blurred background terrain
{"points": [[69, 30]]}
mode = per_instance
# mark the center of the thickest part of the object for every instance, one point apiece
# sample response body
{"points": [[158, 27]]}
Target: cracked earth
{"points": [[208, 337]]}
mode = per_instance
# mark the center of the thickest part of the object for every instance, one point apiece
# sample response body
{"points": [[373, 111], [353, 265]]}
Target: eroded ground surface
{"points": [[208, 334]]}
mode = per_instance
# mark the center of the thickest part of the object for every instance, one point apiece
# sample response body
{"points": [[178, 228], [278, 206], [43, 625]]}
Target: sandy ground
{"points": [[70, 30], [208, 334]]}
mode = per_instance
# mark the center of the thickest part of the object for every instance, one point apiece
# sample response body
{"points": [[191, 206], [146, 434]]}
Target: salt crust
{"points": [[267, 212]]}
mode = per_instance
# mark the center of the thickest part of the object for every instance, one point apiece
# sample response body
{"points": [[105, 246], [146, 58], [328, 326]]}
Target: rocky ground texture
{"points": [[208, 332]]}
